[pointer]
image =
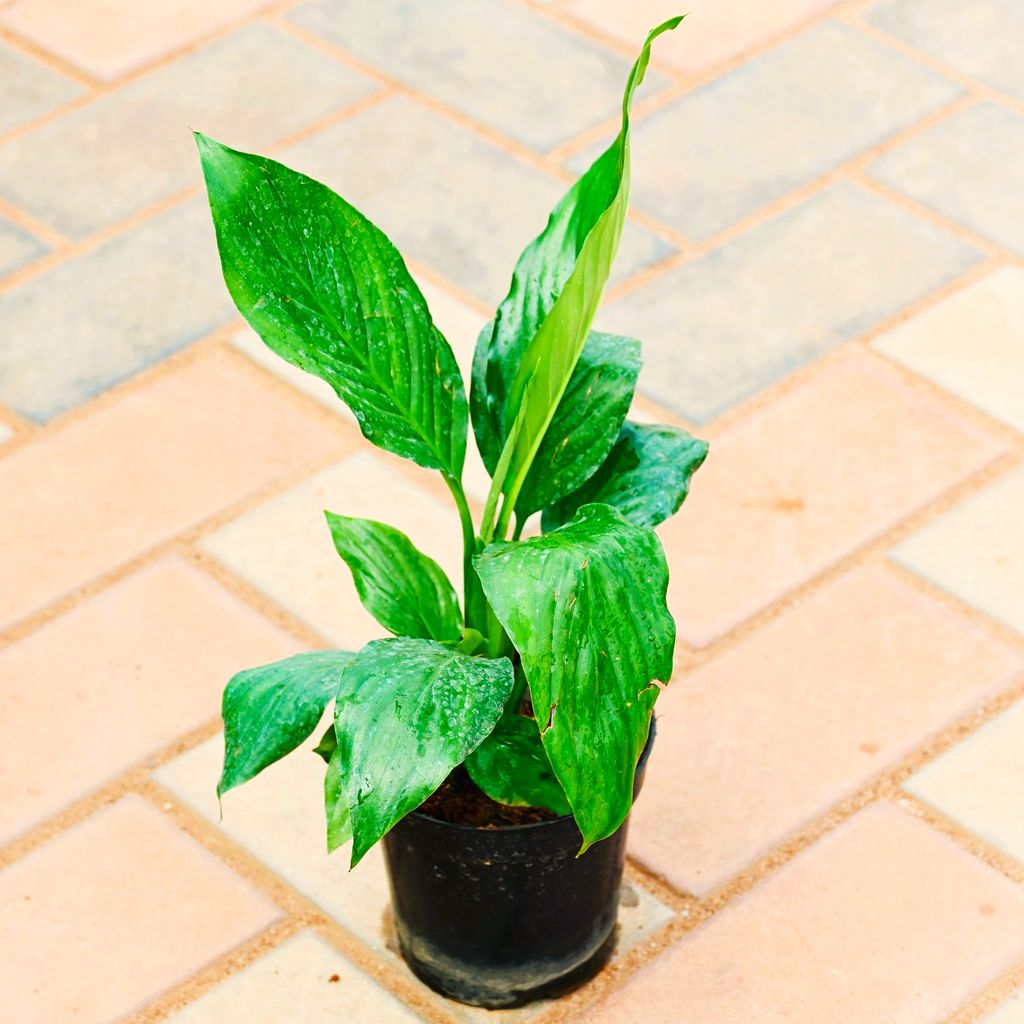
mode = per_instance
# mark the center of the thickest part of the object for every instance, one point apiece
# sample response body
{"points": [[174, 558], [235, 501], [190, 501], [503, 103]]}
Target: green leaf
{"points": [[339, 821], [326, 290], [328, 744], [510, 766], [585, 608], [268, 711], [410, 711], [404, 590], [521, 370], [646, 476], [586, 422]]}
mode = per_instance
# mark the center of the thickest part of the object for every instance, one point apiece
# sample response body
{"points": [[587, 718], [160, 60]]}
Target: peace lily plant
{"points": [[542, 682]]}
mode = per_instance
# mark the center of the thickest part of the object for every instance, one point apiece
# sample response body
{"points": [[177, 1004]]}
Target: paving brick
{"points": [[278, 817], [804, 481], [466, 54], [105, 917], [1011, 1012], [768, 736], [301, 979], [719, 328], [132, 668], [133, 147], [284, 547], [458, 323], [713, 31], [971, 344], [976, 551], [721, 153], [448, 198], [983, 39], [979, 782], [17, 246], [30, 89], [98, 491], [966, 168], [107, 38], [883, 920], [94, 320]]}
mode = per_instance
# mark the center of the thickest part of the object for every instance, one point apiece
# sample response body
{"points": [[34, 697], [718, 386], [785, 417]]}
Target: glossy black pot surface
{"points": [[498, 917]]}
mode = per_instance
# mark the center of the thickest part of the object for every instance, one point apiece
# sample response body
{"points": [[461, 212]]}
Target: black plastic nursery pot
{"points": [[501, 916]]}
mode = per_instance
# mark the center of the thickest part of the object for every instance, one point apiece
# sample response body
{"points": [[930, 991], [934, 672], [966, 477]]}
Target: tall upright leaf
{"points": [[326, 290], [268, 711], [409, 711], [646, 476], [585, 608], [522, 369], [404, 590]]}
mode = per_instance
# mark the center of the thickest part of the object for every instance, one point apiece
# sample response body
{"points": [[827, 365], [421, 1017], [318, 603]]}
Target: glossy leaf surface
{"points": [[326, 290], [404, 590], [586, 422], [585, 608], [268, 711], [646, 476], [409, 711], [521, 370], [510, 766]]}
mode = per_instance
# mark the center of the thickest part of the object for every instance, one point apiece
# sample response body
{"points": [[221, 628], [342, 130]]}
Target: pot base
{"points": [[474, 991]]}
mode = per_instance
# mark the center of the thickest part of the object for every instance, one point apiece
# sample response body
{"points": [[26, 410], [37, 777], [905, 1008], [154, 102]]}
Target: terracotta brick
{"points": [[105, 917], [768, 736], [132, 668], [714, 30], [885, 920], [154, 462], [303, 979], [806, 480], [108, 38]]}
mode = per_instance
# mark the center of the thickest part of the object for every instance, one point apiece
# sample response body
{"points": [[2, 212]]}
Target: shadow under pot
{"points": [[501, 916]]}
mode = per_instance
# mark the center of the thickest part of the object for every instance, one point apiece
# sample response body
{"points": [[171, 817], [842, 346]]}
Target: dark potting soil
{"points": [[461, 802]]}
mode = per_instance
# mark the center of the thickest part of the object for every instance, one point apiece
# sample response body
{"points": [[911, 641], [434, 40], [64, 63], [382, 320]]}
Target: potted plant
{"points": [[494, 747]]}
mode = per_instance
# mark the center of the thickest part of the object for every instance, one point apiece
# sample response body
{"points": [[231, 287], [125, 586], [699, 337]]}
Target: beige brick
{"points": [[884, 920], [303, 979], [976, 551], [132, 668], [971, 343], [980, 782], [104, 918], [284, 547], [1011, 1012], [149, 465], [772, 733]]}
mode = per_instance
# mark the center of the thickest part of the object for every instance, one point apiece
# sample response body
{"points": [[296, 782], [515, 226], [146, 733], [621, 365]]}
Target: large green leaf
{"points": [[522, 369], [268, 711], [646, 476], [410, 711], [404, 590], [585, 608], [586, 422], [326, 290], [510, 766]]}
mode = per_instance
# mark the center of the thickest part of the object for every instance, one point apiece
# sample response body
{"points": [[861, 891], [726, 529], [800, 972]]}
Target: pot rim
{"points": [[526, 826]]}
